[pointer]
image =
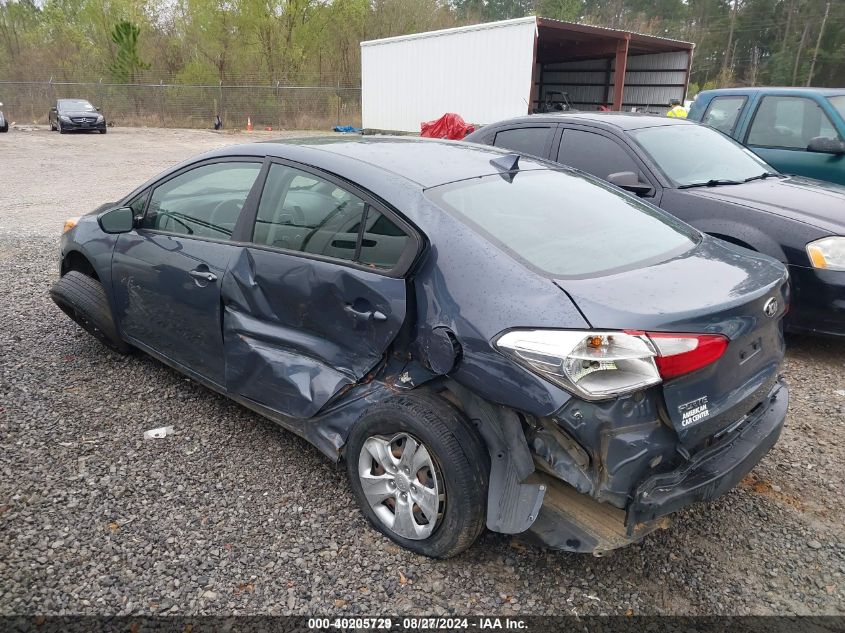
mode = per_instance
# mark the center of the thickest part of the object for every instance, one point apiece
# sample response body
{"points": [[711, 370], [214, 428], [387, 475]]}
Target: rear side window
{"points": [[565, 225], [723, 112], [300, 211], [595, 154], [789, 122], [203, 202], [526, 140]]}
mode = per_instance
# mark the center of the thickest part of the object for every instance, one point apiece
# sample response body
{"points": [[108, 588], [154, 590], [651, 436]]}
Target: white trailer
{"points": [[496, 70]]}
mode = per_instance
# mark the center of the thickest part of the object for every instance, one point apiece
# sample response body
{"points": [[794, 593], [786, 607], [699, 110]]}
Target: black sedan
{"points": [[713, 183], [484, 339], [69, 115]]}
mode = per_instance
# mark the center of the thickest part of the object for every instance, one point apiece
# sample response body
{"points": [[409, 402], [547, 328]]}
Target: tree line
{"points": [[316, 42]]}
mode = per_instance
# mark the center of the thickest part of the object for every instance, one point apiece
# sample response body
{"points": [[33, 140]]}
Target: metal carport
{"points": [[486, 72]]}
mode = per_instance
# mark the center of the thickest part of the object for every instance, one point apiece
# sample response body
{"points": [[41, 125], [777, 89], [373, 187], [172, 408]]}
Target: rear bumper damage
{"points": [[715, 470], [573, 521]]}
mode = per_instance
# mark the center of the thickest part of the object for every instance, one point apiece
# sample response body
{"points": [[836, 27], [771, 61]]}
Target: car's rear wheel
{"points": [[84, 300], [419, 471]]}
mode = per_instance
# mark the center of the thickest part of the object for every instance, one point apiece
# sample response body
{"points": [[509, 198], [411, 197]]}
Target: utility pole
{"points": [[818, 43]]}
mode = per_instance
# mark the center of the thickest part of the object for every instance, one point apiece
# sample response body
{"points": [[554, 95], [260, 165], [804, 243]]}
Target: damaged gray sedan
{"points": [[483, 339]]}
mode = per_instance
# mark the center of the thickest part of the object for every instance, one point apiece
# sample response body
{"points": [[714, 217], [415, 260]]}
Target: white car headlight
{"points": [[64, 118], [827, 253], [100, 118], [594, 365]]}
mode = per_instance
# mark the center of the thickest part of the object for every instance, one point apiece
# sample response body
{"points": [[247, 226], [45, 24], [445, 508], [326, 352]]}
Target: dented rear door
{"points": [[304, 313]]}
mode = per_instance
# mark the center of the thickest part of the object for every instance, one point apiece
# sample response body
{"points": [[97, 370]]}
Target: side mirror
{"points": [[98, 109], [629, 181], [120, 220], [824, 145]]}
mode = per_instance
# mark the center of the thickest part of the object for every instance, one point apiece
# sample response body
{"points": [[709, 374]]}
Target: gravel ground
{"points": [[233, 515]]}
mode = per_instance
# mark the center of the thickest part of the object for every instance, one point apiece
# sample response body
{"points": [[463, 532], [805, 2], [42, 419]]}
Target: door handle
{"points": [[365, 315], [204, 275]]}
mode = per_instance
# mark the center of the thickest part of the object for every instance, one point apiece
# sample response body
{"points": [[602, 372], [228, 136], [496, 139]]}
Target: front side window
{"points": [[695, 154], [527, 140], [564, 224], [723, 112], [300, 211], [203, 202], [789, 122], [595, 154]]}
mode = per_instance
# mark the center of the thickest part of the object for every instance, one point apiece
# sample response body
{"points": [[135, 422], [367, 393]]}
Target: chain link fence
{"points": [[175, 105]]}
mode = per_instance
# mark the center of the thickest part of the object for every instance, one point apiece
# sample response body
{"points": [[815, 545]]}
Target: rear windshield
{"points": [[565, 224]]}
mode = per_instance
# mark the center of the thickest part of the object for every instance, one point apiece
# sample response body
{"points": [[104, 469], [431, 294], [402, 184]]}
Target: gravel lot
{"points": [[234, 515]]}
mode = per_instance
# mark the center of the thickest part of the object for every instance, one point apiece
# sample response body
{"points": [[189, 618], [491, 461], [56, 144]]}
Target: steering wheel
{"points": [[223, 211], [226, 205]]}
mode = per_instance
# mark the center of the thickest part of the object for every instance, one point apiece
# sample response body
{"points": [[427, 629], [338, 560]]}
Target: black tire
{"points": [[83, 299], [456, 449], [61, 129], [103, 131], [5, 128]]}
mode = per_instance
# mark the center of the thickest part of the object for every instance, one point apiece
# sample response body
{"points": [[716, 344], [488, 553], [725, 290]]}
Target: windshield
{"points": [[838, 102], [694, 154], [75, 104], [565, 224]]}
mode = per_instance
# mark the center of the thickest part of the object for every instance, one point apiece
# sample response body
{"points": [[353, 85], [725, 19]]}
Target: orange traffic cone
{"points": [[248, 124]]}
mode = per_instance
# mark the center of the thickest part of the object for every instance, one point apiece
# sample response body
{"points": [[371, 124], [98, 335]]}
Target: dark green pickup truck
{"points": [[796, 130]]}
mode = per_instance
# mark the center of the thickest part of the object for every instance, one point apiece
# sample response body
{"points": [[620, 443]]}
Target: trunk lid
{"points": [[715, 288]]}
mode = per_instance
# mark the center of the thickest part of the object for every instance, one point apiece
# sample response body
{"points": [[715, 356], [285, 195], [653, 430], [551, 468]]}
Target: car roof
{"points": [[619, 120], [425, 162], [826, 92]]}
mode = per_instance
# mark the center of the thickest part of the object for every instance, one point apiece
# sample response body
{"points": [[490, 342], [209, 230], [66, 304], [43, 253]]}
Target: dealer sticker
{"points": [[693, 411]]}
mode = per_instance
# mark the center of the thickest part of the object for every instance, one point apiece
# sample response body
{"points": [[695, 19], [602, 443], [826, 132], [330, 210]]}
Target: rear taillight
{"points": [[602, 365], [679, 354]]}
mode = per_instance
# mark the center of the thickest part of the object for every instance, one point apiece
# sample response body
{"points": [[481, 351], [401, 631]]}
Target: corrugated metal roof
{"points": [[577, 26], [452, 31], [612, 32]]}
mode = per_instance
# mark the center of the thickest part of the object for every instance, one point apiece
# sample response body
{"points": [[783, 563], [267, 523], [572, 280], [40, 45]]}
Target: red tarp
{"points": [[450, 126]]}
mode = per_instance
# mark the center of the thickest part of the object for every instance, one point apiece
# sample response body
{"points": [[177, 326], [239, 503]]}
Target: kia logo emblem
{"points": [[770, 309]]}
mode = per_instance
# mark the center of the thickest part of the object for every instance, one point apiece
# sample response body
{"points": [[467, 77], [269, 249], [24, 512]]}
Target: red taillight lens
{"points": [[679, 354]]}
